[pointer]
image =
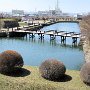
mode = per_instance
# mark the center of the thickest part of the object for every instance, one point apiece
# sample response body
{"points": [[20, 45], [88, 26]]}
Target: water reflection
{"points": [[41, 41], [52, 43]]}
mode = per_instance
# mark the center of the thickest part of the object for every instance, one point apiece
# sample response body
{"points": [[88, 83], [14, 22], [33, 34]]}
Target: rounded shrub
{"points": [[10, 60], [52, 69], [85, 73]]}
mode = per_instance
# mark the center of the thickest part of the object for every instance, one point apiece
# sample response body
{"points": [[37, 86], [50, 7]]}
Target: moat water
{"points": [[35, 51]]}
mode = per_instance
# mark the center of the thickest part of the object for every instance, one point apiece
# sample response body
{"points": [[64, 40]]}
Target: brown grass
{"points": [[34, 81], [85, 27]]}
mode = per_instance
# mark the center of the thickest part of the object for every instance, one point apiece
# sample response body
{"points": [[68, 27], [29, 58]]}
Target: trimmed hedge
{"points": [[10, 24], [9, 60], [52, 69], [85, 73]]}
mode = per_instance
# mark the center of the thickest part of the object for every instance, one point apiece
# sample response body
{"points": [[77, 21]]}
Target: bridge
{"points": [[52, 33], [24, 31]]}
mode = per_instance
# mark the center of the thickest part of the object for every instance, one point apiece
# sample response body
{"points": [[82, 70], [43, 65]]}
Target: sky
{"points": [[68, 6]]}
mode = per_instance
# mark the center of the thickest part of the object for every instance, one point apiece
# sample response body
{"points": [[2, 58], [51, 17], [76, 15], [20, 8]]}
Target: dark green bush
{"points": [[10, 24], [9, 60], [52, 69], [85, 73]]}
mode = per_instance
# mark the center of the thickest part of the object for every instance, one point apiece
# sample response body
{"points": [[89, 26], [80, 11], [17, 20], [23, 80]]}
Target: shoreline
{"points": [[85, 41]]}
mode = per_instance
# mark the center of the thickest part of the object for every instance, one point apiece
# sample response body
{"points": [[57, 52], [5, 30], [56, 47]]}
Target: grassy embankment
{"points": [[35, 21], [7, 19], [85, 30], [30, 79], [23, 24]]}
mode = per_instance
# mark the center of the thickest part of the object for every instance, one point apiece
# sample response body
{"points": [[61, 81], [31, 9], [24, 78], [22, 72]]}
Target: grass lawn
{"points": [[23, 24], [30, 79], [7, 19]]}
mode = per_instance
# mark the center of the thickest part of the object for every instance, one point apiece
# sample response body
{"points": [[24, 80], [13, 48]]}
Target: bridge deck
{"points": [[53, 33]]}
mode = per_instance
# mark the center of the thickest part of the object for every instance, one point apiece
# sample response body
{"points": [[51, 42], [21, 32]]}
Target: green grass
{"points": [[34, 81], [23, 24], [7, 19]]}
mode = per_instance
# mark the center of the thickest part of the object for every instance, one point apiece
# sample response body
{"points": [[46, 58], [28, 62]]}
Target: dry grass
{"points": [[85, 27], [33, 81], [7, 19], [85, 31]]}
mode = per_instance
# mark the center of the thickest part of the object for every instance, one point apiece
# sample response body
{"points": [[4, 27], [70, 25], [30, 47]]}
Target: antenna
{"points": [[57, 5], [49, 8]]}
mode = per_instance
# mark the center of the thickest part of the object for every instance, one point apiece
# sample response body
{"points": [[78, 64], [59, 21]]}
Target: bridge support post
{"points": [[41, 36], [52, 37], [63, 39], [32, 35], [41, 40], [74, 41]]}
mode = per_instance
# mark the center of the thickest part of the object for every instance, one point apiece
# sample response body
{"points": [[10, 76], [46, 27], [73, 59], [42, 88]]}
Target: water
{"points": [[35, 51], [64, 26]]}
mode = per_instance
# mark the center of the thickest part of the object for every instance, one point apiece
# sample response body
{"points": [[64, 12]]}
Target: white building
{"points": [[17, 12]]}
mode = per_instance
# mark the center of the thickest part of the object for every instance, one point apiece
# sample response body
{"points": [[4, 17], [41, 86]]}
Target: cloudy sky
{"points": [[70, 6]]}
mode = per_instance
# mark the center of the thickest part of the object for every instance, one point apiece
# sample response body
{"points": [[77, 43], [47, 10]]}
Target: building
{"points": [[79, 16], [17, 12]]}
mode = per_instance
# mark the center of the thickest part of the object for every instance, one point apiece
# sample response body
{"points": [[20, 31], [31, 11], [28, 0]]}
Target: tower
{"points": [[57, 6], [57, 9]]}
